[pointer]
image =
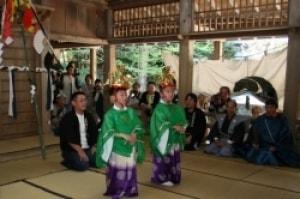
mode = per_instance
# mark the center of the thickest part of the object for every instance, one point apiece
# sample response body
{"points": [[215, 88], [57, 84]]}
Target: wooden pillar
{"points": [[292, 90], [218, 50], [109, 68], [109, 60], [110, 23], [110, 49], [93, 63], [185, 68], [186, 49], [186, 16]]}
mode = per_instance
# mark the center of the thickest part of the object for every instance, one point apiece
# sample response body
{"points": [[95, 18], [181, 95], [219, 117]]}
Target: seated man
{"points": [[196, 122], [135, 96], [218, 101], [228, 130], [78, 134], [243, 149], [149, 99], [273, 142]]}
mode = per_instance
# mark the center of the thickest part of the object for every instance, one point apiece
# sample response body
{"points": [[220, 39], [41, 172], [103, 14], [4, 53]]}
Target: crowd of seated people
{"points": [[272, 142], [264, 138]]}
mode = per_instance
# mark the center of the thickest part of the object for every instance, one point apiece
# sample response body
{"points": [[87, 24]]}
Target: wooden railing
{"points": [[230, 15], [153, 20]]}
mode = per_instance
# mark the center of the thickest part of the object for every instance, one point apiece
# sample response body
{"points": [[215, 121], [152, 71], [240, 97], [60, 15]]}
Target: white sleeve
{"points": [[162, 145]]}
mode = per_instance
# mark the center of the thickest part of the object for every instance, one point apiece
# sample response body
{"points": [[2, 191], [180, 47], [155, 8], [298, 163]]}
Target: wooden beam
{"points": [[121, 4], [143, 39], [58, 45], [240, 33], [61, 38], [91, 3]]}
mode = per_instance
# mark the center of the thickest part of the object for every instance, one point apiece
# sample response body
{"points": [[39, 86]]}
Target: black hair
{"points": [[225, 87], [70, 65], [232, 101], [87, 76], [193, 96], [136, 84], [151, 82], [74, 95], [98, 81], [272, 102]]}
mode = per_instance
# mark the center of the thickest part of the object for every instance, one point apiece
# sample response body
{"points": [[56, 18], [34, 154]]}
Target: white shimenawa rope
{"points": [[32, 87]]}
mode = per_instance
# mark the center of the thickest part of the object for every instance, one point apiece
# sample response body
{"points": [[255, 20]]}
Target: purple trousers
{"points": [[121, 177], [166, 168]]}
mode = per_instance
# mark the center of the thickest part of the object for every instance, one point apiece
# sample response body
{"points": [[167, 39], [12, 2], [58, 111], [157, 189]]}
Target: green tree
{"points": [[203, 50]]}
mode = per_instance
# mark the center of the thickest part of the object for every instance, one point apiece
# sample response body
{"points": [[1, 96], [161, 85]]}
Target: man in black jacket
{"points": [[227, 132], [78, 135], [196, 122], [149, 99]]}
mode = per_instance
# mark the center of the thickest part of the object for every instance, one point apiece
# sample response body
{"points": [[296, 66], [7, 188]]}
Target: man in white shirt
{"points": [[78, 135]]}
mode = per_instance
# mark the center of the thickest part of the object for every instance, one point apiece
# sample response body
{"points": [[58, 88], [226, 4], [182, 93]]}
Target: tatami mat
{"points": [[203, 177], [217, 166], [277, 178], [19, 144], [199, 185], [21, 190], [29, 167], [91, 185]]}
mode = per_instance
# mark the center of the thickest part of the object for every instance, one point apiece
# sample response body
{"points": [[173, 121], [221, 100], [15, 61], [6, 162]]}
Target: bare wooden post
{"points": [[185, 68], [186, 49], [186, 16], [110, 23], [109, 68], [218, 50], [93, 63], [292, 89]]}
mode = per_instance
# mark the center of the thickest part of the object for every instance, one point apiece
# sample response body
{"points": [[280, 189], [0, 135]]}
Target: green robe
{"points": [[115, 122], [163, 135]]}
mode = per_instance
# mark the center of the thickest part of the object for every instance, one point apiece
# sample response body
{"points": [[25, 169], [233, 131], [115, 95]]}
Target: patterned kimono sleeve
{"points": [[160, 131], [105, 141]]}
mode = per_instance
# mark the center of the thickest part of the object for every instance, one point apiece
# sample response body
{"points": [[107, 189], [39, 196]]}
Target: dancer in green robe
{"points": [[167, 130], [120, 146]]}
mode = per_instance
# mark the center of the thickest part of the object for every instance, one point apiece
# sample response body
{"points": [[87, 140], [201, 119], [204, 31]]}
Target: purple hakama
{"points": [[121, 178], [167, 168]]}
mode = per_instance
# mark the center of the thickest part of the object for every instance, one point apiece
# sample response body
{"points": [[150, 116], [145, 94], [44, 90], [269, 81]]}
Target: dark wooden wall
{"points": [[25, 124], [77, 18], [14, 55]]}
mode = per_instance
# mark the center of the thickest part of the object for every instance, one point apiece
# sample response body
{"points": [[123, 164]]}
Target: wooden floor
{"points": [[203, 176]]}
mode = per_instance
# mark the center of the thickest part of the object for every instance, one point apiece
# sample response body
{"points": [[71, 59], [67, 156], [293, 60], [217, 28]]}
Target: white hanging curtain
{"points": [[210, 75]]}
